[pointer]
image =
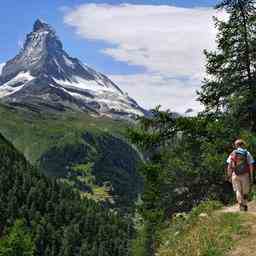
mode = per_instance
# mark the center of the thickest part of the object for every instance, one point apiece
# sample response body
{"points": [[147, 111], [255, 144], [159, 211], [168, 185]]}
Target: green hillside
{"points": [[40, 216], [57, 143]]}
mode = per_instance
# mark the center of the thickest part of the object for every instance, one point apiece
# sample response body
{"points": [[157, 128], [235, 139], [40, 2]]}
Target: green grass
{"points": [[203, 232], [34, 133]]}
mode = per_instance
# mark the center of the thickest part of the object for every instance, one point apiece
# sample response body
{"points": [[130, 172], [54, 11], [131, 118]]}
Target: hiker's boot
{"points": [[241, 207], [245, 202]]}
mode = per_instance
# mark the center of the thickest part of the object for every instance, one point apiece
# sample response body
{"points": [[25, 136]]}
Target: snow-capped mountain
{"points": [[44, 76]]}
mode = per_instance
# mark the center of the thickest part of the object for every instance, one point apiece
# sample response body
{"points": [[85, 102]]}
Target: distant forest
{"points": [[39, 216]]}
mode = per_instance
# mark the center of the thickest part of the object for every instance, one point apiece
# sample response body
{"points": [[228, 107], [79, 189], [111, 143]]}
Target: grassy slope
{"points": [[207, 232], [34, 133], [57, 142]]}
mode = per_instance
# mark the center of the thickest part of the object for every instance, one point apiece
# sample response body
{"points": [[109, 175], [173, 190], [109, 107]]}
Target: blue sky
{"points": [[17, 18]]}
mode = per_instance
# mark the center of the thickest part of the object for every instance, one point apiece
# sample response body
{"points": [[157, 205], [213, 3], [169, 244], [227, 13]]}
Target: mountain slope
{"points": [[62, 114], [58, 143], [44, 77], [57, 219]]}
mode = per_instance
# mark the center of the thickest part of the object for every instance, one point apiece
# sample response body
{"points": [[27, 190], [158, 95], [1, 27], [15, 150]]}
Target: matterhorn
{"points": [[43, 77]]}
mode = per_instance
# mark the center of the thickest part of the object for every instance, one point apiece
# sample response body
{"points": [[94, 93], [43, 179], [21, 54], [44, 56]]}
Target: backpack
{"points": [[239, 158]]}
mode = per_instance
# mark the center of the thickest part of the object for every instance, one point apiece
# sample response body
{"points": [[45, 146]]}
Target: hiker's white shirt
{"points": [[250, 159]]}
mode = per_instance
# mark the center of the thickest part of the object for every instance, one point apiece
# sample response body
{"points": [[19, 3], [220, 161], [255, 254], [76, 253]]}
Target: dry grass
{"points": [[247, 245], [204, 234]]}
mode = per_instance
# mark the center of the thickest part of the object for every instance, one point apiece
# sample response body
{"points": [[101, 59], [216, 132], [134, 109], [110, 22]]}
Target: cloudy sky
{"points": [[151, 49]]}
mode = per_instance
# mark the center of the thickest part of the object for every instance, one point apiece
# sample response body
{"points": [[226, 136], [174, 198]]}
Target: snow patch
{"points": [[1, 67], [58, 65], [120, 104], [81, 83], [6, 90], [108, 100], [10, 88], [21, 77], [68, 62]]}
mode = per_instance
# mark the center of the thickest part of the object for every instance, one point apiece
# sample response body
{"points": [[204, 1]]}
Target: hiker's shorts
{"points": [[241, 185]]}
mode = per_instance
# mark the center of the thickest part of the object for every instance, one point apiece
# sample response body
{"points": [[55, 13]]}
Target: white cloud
{"points": [[150, 91], [167, 41], [1, 67]]}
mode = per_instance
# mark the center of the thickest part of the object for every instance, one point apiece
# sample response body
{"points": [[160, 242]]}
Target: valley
{"points": [[55, 143]]}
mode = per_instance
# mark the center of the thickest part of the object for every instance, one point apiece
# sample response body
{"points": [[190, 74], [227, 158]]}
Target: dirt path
{"points": [[235, 208], [247, 245]]}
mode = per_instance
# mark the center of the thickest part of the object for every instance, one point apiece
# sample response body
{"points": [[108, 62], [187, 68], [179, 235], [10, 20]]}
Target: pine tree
{"points": [[85, 249], [18, 242], [231, 73]]}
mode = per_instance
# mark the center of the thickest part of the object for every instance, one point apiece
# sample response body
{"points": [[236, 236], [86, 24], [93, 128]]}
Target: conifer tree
{"points": [[57, 221], [231, 73], [18, 242]]}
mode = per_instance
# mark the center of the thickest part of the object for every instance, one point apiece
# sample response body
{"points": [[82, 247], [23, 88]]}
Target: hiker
{"points": [[240, 171]]}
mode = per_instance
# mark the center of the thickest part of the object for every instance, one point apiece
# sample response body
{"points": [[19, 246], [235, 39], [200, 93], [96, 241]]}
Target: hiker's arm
{"points": [[251, 173], [230, 170], [251, 165]]}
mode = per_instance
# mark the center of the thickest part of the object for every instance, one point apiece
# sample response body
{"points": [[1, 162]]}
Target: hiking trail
{"points": [[245, 246]]}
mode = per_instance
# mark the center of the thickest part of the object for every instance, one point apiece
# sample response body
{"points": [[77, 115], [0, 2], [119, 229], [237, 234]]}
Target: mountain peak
{"points": [[40, 25], [43, 74]]}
